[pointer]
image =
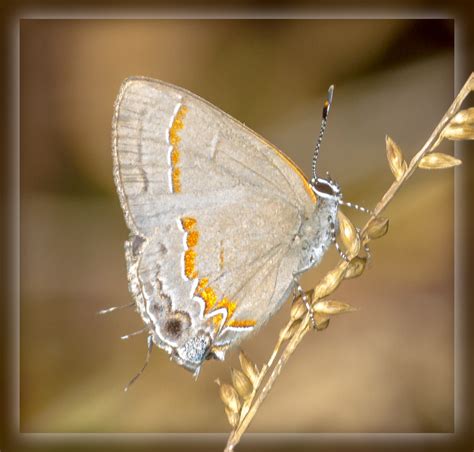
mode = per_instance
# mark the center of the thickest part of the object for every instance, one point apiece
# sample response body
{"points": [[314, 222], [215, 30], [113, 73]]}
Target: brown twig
{"points": [[329, 283]]}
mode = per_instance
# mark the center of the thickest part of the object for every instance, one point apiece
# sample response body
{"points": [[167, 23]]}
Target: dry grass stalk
{"points": [[454, 125], [397, 163]]}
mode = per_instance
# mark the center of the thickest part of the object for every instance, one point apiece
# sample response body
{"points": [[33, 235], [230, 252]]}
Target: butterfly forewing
{"points": [[216, 208]]}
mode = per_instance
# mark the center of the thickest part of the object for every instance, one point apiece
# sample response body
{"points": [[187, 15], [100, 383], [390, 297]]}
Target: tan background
{"points": [[386, 368]]}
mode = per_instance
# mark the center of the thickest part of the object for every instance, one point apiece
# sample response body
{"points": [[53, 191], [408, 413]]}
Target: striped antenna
{"points": [[357, 207], [324, 122]]}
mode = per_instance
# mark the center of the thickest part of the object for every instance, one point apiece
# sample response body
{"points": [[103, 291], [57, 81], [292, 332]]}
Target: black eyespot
{"points": [[174, 327]]}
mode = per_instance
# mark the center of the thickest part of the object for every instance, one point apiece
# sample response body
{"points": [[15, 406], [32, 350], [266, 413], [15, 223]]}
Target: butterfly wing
{"points": [[214, 210]]}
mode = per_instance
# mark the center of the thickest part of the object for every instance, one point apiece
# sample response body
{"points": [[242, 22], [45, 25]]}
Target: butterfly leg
{"points": [[367, 252], [147, 360], [115, 308], [334, 240], [366, 247], [299, 291]]}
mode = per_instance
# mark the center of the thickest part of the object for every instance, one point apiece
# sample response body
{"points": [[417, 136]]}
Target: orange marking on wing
{"points": [[177, 125], [293, 166], [192, 238], [190, 264], [201, 284], [175, 177], [174, 157], [229, 305], [217, 320], [188, 223], [242, 323], [175, 139], [209, 297], [203, 289]]}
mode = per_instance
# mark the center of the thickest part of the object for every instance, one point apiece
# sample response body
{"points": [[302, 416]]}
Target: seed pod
{"points": [[461, 127], [397, 163], [232, 417], [329, 283], [348, 233], [241, 383], [438, 160], [378, 227], [298, 309], [356, 267], [322, 321], [332, 307], [229, 396], [249, 368]]}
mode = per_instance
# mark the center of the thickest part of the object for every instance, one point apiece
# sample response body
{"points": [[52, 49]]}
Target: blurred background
{"points": [[386, 368]]}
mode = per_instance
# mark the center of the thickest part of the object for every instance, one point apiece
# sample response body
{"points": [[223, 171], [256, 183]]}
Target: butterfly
{"points": [[222, 223]]}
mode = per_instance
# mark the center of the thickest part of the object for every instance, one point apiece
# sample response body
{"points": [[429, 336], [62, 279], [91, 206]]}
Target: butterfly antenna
{"points": [[357, 207], [324, 122]]}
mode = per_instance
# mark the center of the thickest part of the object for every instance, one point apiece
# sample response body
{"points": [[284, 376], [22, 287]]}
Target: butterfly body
{"points": [[221, 222]]}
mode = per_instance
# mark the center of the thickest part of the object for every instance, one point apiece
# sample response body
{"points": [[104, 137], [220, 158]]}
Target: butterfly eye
{"points": [[323, 187]]}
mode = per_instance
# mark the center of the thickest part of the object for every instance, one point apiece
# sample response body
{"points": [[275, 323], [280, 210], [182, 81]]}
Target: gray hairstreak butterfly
{"points": [[222, 223]]}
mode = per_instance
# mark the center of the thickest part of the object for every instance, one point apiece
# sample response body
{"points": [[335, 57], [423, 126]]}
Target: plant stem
{"points": [[259, 395]]}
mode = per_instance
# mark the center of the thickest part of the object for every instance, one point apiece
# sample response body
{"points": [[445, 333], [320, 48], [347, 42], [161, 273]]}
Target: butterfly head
{"points": [[326, 189]]}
